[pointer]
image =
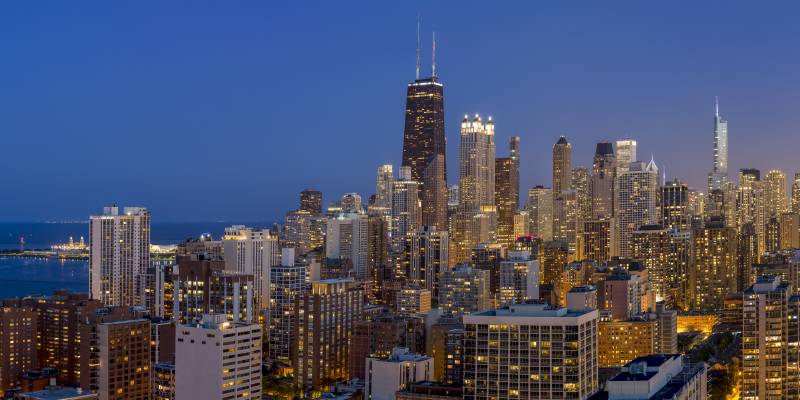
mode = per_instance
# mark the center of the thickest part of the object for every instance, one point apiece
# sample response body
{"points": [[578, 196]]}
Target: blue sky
{"points": [[226, 110]]}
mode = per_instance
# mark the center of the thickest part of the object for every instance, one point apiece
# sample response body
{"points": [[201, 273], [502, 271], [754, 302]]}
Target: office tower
{"points": [[602, 181], [58, 322], [18, 344], [378, 336], [581, 185], [559, 359], [765, 331], [391, 374], [325, 315], [522, 224], [424, 146], [562, 184], [789, 225], [413, 300], [507, 192], [476, 217], [383, 187], [772, 235], [540, 207], [752, 204], [347, 239], [665, 254], [406, 214], [635, 199], [795, 200], [674, 206], [252, 252], [553, 256], [297, 231], [650, 376], [519, 278], [428, 255], [217, 359], [378, 254], [205, 286], [122, 352], [464, 290], [288, 281], [718, 177], [626, 154], [776, 193], [714, 258], [746, 257], [163, 381], [597, 238], [351, 203], [311, 201], [119, 254]]}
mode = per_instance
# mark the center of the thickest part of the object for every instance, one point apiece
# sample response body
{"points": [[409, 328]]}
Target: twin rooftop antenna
{"points": [[419, 56]]}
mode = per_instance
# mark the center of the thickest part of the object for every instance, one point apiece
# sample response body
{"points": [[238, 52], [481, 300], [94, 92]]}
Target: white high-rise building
{"points": [[635, 203], [719, 174], [119, 255], [346, 239], [552, 353], [252, 251], [385, 377], [626, 154], [383, 187], [540, 209], [406, 208], [217, 359]]}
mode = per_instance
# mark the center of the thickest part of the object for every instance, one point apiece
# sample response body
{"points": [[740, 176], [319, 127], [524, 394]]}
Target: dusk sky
{"points": [[207, 111]]}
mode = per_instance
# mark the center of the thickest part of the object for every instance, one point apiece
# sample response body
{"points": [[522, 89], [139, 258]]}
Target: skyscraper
{"points": [[776, 193], [476, 215], [324, 317], [428, 258], [714, 260], [253, 252], [602, 181], [119, 255], [583, 206], [562, 179], [464, 290], [424, 141], [675, 211], [311, 201], [507, 192], [626, 154], [406, 215], [383, 187], [635, 200], [719, 174], [540, 209]]}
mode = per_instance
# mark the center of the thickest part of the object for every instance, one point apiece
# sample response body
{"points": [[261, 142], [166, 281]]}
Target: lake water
{"points": [[21, 276]]}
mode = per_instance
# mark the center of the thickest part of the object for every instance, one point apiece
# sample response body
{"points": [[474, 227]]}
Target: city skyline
{"points": [[199, 101]]}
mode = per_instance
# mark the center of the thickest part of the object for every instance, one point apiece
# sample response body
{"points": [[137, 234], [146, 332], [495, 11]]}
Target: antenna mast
{"points": [[418, 59], [433, 56]]}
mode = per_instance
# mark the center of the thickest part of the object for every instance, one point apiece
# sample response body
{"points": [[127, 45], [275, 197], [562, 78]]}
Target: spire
{"points": [[418, 59], [433, 56], [716, 106]]}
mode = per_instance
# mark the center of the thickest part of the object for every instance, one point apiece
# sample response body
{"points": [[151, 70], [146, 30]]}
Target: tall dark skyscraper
{"points": [[311, 201], [424, 144]]}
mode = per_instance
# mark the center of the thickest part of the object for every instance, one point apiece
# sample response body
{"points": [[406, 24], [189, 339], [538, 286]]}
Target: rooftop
{"points": [[532, 309]]}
